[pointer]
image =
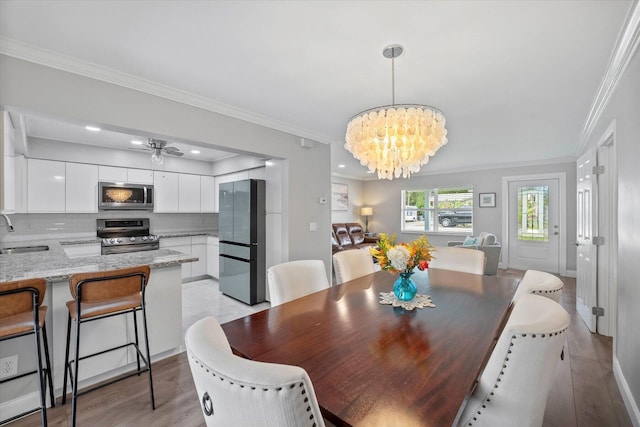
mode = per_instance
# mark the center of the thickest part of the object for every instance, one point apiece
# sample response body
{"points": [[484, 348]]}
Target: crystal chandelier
{"points": [[395, 140]]}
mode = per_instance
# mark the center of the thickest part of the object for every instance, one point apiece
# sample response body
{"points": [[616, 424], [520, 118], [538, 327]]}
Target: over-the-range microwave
{"points": [[119, 195]]}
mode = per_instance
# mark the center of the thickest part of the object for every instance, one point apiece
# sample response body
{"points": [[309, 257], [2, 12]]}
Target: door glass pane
{"points": [[533, 213]]}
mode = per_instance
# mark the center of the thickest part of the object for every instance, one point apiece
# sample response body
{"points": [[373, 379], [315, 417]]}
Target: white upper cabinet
{"points": [[189, 193], [7, 157], [140, 176], [45, 186], [112, 174], [207, 194], [116, 174], [166, 189], [81, 188]]}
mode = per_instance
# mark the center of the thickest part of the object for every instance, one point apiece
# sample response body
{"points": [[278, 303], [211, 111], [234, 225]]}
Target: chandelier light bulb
{"points": [[157, 159]]}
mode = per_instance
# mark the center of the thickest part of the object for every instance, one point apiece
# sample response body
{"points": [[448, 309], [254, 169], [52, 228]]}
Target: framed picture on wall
{"points": [[339, 197], [487, 200]]}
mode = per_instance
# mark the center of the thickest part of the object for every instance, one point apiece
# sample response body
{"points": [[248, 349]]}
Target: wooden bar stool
{"points": [[22, 314], [99, 295]]}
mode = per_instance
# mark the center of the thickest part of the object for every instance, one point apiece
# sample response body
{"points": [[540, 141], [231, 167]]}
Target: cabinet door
{"points": [[189, 193], [165, 185], [180, 244], [81, 188], [140, 176], [45, 186], [207, 194], [213, 261], [112, 174], [7, 156], [199, 268]]}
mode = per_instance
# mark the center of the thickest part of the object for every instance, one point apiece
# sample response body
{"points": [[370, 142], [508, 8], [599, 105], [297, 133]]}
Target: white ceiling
{"points": [[515, 79]]}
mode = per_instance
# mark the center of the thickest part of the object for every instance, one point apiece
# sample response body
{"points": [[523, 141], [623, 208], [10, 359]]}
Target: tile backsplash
{"points": [[65, 225]]}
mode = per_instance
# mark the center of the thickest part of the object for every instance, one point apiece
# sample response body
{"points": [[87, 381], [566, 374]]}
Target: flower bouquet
{"points": [[402, 258]]}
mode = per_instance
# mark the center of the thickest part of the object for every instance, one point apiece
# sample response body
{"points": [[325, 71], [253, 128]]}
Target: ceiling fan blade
{"points": [[174, 153], [173, 149]]}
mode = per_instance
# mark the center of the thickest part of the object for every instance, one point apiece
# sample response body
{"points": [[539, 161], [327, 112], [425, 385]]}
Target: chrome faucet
{"points": [[9, 225]]}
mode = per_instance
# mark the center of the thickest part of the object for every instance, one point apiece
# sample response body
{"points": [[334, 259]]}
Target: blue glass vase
{"points": [[404, 288]]}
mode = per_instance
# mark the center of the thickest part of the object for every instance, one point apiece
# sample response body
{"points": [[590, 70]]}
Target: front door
{"points": [[586, 218], [534, 227]]}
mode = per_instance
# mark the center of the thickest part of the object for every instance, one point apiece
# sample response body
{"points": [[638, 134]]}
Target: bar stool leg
{"points": [[66, 361], [48, 365], [146, 343], [74, 387], [43, 399], [135, 330]]}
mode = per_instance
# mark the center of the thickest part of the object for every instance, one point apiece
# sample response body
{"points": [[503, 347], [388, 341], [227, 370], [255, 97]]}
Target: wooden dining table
{"points": [[379, 365]]}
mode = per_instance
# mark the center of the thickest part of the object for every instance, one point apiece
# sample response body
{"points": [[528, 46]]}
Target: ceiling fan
{"points": [[158, 148]]}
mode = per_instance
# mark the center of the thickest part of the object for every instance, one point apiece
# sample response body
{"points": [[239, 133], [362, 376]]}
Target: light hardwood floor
{"points": [[584, 393]]}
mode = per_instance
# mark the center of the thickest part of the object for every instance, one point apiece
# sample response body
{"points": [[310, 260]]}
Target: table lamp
{"points": [[366, 213]]}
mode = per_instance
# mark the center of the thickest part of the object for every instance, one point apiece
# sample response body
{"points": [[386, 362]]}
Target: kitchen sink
{"points": [[23, 249]]}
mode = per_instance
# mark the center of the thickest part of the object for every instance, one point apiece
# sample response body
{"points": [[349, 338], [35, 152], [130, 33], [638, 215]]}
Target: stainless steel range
{"points": [[126, 235]]}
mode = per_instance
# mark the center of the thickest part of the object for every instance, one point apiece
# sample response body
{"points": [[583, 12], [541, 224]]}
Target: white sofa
{"points": [[487, 243]]}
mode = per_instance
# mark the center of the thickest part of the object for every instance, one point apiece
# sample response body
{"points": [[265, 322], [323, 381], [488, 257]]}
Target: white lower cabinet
{"points": [[213, 261], [180, 244], [199, 249]]}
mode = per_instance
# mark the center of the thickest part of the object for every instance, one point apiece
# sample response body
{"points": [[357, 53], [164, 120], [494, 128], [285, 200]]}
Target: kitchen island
{"points": [[56, 265]]}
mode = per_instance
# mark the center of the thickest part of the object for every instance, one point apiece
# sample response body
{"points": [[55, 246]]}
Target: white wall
{"points": [[35, 88], [624, 108], [385, 198]]}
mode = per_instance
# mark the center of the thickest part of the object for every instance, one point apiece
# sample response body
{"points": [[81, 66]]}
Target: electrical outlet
{"points": [[8, 366]]}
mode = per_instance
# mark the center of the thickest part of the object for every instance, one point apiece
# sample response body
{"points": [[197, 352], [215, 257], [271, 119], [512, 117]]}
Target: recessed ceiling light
{"points": [[342, 166], [268, 163], [195, 151], [92, 128], [136, 142]]}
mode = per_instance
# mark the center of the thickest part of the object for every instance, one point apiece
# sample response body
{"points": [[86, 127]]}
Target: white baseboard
{"points": [[20, 404], [629, 402], [571, 273]]}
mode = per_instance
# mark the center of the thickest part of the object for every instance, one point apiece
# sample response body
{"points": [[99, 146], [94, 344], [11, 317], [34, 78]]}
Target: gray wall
{"points": [[385, 198], [624, 108], [356, 202], [43, 90]]}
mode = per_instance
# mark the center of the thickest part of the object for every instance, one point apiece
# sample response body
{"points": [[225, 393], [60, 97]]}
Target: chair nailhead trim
{"points": [[504, 365]]}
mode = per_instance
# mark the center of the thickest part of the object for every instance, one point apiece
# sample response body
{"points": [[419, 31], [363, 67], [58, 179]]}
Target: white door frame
{"points": [[607, 292], [562, 214]]}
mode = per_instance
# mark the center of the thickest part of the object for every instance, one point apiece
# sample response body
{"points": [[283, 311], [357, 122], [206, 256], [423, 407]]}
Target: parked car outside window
{"points": [[452, 218]]}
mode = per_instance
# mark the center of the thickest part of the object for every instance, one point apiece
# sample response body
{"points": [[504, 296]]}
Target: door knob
{"points": [[555, 233], [576, 244]]}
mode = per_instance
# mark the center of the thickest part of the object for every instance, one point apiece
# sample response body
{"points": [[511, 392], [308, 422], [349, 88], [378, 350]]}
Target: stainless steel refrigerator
{"points": [[241, 227]]}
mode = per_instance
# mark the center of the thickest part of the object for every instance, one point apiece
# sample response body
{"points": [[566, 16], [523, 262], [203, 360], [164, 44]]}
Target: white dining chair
{"points": [[458, 259], [234, 391], [295, 279], [351, 264], [514, 385], [540, 283]]}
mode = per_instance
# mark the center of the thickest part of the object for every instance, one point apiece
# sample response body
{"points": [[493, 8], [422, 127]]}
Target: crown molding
{"points": [[51, 59], [476, 168], [625, 48]]}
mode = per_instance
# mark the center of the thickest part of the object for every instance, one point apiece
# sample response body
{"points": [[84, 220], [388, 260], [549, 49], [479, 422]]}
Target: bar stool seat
{"points": [[22, 314], [99, 295]]}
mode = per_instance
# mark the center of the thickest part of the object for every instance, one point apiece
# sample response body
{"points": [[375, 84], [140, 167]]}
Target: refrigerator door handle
{"points": [[235, 257], [231, 242]]}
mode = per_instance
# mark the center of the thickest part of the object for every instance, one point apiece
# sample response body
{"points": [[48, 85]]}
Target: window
{"points": [[446, 210]]}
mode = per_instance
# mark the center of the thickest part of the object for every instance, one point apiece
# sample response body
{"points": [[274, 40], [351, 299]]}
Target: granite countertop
{"points": [[56, 265], [168, 234]]}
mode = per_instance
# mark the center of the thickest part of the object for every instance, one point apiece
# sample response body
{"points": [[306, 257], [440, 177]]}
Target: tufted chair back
{"points": [[295, 279], [233, 391], [349, 265], [458, 259], [513, 388], [541, 283]]}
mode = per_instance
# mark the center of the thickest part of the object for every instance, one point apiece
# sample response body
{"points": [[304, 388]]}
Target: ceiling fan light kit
{"points": [[159, 148], [395, 140]]}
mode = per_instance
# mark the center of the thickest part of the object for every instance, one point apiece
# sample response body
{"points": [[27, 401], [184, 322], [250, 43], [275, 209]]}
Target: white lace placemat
{"points": [[419, 301]]}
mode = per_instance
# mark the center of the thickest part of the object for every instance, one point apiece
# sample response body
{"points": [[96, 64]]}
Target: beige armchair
{"points": [[487, 243]]}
